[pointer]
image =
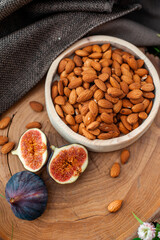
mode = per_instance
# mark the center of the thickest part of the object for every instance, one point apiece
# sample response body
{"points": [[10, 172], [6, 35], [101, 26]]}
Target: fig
{"points": [[67, 163], [33, 149], [27, 195]]}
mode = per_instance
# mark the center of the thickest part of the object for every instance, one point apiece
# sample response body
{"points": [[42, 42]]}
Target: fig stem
{"points": [[53, 147], [14, 152], [11, 200]]}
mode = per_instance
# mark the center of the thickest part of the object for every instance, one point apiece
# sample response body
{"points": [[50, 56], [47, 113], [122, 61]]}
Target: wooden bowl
{"points": [[100, 145]]}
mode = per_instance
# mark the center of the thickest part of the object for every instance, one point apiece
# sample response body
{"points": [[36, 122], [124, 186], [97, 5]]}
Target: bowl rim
{"points": [[63, 129]]}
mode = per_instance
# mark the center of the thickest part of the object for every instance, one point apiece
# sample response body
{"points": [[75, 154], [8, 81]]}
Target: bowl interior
{"points": [[99, 145]]}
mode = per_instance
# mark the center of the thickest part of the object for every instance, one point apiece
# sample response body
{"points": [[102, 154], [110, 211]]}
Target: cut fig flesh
{"points": [[67, 163], [32, 149]]}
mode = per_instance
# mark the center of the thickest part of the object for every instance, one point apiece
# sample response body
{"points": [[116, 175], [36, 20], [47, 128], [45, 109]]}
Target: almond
{"points": [[103, 77], [78, 118], [73, 97], [107, 54], [60, 88], [54, 91], [126, 103], [136, 78], [85, 95], [65, 82], [123, 129], [117, 107], [106, 110], [117, 57], [67, 91], [135, 125], [95, 55], [88, 49], [106, 70], [125, 154], [93, 125], [87, 134], [149, 79], [62, 65], [100, 84], [7, 147], [82, 53], [99, 94], [149, 95], [78, 71], [68, 108], [142, 115], [136, 101], [70, 119], [135, 85], [59, 111], [75, 83], [132, 63], [89, 118], [105, 136], [60, 100], [108, 127], [105, 47], [77, 60], [135, 94], [149, 107], [114, 83], [3, 140], [4, 122], [63, 74], [126, 72], [105, 103], [127, 79], [141, 72], [89, 77], [126, 111], [105, 62], [36, 106], [145, 103], [84, 110], [132, 118], [107, 118], [140, 63], [126, 123], [93, 107], [94, 88], [115, 170], [95, 132], [75, 127], [111, 99], [114, 206], [148, 87], [88, 70], [81, 125], [34, 125], [138, 107], [124, 87], [96, 48], [69, 66], [114, 92], [96, 65]]}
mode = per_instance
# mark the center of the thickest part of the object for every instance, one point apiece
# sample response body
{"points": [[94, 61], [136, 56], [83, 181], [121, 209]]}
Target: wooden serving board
{"points": [[78, 211]]}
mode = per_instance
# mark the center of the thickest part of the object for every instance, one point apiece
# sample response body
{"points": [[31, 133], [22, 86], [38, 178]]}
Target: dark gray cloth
{"points": [[34, 32]]}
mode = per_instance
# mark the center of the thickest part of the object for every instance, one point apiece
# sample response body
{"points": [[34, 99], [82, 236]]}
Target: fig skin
{"points": [[56, 152], [45, 155], [27, 195]]}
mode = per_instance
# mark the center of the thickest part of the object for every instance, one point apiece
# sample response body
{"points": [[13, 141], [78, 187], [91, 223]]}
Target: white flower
{"points": [[159, 234], [146, 231]]}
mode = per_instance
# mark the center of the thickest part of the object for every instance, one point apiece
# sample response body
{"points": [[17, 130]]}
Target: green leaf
{"points": [[139, 220], [157, 228], [157, 49], [136, 239], [158, 35], [2, 196], [156, 238]]}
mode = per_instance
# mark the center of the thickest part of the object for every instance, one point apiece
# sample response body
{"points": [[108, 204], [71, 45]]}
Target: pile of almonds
{"points": [[102, 92]]}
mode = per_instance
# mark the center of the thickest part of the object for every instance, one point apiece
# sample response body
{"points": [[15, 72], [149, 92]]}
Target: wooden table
{"points": [[79, 211]]}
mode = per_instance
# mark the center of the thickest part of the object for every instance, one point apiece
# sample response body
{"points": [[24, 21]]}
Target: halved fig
{"points": [[32, 149], [67, 163]]}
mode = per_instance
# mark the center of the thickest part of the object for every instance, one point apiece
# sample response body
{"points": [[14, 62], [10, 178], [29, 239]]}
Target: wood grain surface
{"points": [[79, 211]]}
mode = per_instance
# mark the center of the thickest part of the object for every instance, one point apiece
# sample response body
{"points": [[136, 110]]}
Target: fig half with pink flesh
{"points": [[32, 149], [67, 163]]}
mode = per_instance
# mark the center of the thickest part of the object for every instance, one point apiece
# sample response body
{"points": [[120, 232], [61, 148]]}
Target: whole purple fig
{"points": [[27, 195]]}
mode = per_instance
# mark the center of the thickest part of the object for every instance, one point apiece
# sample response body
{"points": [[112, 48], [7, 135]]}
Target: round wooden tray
{"points": [[79, 210]]}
